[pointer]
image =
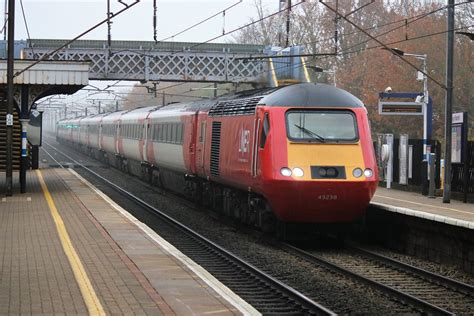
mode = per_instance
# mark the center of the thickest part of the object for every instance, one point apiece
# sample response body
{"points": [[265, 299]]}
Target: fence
{"points": [[417, 179], [417, 171], [457, 173]]}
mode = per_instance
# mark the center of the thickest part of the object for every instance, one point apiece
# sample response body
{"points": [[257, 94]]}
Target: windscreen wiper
{"points": [[310, 132]]}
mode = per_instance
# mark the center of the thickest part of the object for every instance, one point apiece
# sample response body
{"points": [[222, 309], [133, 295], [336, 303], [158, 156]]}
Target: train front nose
{"points": [[329, 172], [320, 199]]}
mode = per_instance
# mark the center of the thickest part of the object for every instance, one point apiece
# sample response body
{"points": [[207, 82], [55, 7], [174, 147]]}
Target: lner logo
{"points": [[244, 141]]}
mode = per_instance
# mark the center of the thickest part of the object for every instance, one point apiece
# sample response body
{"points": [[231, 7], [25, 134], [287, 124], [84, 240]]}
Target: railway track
{"points": [[427, 292], [267, 294], [344, 295]]}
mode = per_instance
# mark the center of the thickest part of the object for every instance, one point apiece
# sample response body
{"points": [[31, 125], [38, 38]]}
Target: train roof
{"points": [[309, 95], [244, 102]]}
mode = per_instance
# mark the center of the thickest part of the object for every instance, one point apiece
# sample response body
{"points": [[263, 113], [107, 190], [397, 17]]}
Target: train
{"points": [[298, 154]]}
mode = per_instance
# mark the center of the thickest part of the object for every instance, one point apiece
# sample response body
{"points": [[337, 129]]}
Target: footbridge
{"points": [[172, 61]]}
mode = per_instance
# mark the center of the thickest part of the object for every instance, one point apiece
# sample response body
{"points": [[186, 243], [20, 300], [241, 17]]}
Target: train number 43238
{"points": [[327, 197]]}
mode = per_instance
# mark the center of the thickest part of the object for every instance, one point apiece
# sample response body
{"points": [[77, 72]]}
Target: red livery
{"points": [[301, 153]]}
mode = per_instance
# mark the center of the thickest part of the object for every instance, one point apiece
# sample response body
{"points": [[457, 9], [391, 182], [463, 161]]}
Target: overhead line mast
{"points": [[154, 22], [9, 116]]}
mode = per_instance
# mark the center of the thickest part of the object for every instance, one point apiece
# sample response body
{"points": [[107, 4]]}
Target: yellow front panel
{"points": [[307, 155]]}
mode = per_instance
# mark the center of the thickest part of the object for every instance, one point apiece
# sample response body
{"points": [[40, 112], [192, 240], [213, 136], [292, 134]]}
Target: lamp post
{"points": [[421, 76]]}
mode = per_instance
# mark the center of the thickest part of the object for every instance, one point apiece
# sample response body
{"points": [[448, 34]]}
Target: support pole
{"points": [[24, 155], [10, 65], [24, 119], [449, 103], [109, 28], [426, 138], [432, 175], [35, 157], [465, 158], [5, 20]]}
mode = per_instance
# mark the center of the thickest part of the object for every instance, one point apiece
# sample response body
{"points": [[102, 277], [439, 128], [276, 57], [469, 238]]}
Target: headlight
{"points": [[368, 173], [298, 172], [286, 172], [357, 172]]}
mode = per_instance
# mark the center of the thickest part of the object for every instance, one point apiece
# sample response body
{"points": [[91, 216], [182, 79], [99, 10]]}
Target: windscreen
{"points": [[321, 126]]}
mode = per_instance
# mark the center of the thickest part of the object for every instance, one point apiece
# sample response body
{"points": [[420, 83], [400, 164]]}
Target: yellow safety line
{"points": [[92, 301], [421, 204]]}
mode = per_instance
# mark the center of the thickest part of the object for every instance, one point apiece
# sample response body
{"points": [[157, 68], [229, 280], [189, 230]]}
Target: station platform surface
{"points": [[66, 248], [415, 204]]}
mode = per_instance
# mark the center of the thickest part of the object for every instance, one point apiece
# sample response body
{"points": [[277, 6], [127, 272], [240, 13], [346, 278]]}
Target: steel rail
{"points": [[430, 276], [403, 297], [304, 301]]}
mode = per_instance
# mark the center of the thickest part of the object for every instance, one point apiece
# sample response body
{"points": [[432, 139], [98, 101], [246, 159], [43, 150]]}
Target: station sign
{"points": [[9, 119], [459, 137], [400, 108]]}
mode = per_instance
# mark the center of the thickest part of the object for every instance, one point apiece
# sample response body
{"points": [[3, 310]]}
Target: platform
{"points": [[414, 204], [66, 248]]}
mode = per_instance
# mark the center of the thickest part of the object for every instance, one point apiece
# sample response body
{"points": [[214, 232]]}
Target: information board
{"points": [[35, 127], [400, 108]]}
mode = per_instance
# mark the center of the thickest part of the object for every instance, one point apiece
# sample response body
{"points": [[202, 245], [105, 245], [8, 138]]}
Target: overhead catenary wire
{"points": [[172, 36], [415, 18], [345, 52], [27, 28], [201, 22], [284, 65], [225, 34], [248, 25], [47, 55], [341, 52], [384, 45]]}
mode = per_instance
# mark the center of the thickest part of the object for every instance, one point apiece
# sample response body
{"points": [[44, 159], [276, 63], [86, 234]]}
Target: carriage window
{"points": [[321, 126], [180, 133], [173, 133], [170, 132]]}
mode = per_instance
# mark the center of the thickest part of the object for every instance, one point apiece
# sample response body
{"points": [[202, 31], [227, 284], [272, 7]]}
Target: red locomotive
{"points": [[301, 153]]}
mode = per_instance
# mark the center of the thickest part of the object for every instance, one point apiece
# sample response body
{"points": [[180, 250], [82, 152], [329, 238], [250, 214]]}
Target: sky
{"points": [[64, 19]]}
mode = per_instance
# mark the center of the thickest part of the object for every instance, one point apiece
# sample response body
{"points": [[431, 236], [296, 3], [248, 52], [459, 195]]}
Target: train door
{"points": [[200, 143], [193, 144], [117, 137], [255, 148], [88, 135], [99, 135], [146, 126], [261, 137]]}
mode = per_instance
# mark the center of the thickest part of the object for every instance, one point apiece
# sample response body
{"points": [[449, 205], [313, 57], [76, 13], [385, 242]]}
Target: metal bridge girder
{"points": [[140, 65]]}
